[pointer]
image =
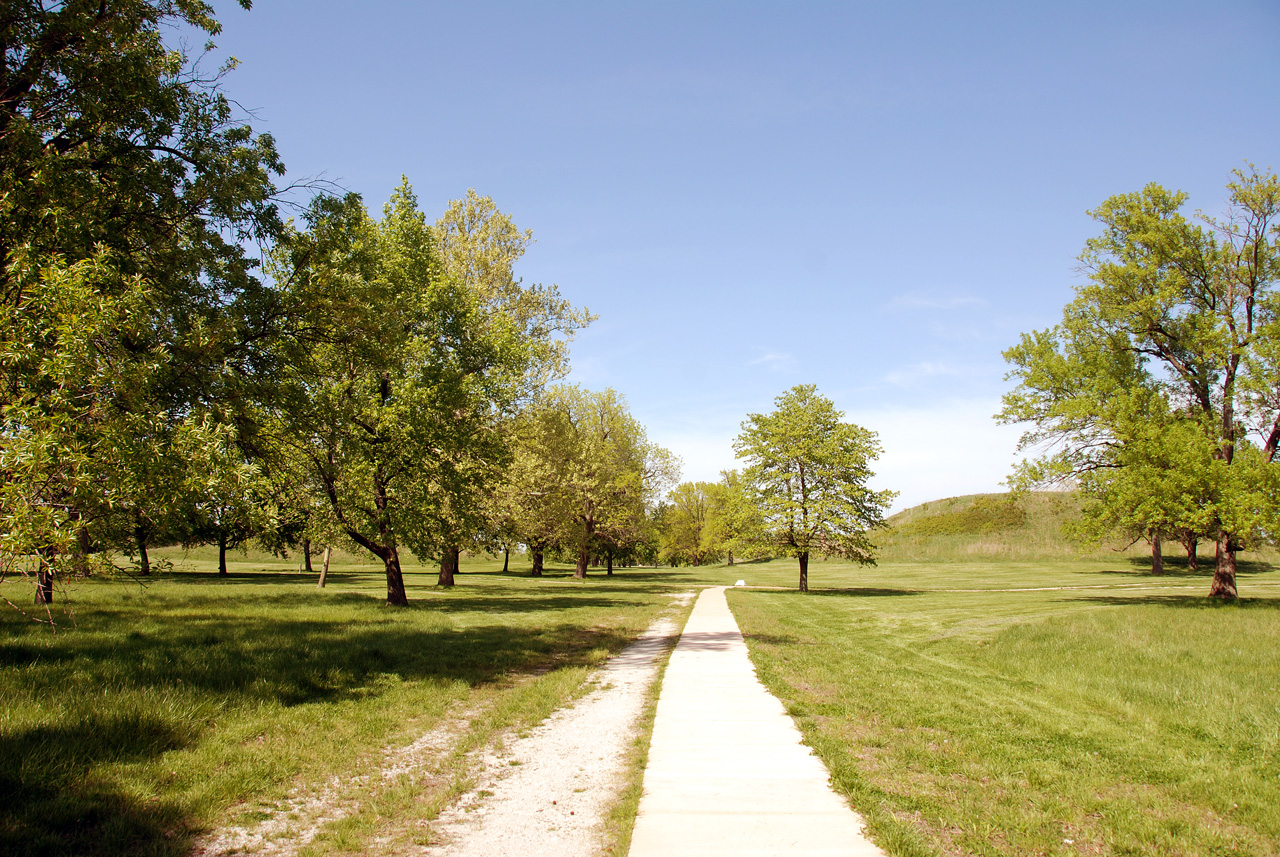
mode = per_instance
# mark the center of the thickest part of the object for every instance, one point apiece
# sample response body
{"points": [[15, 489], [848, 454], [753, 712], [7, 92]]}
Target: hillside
{"points": [[991, 526]]}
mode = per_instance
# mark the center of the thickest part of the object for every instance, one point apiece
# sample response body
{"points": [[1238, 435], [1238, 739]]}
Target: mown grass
{"points": [[1055, 707], [198, 700], [1012, 706]]}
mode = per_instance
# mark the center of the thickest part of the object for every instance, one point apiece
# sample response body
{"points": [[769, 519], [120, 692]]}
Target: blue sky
{"points": [[873, 197]]}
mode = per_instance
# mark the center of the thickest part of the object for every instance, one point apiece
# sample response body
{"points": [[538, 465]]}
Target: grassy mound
{"points": [[990, 526]]}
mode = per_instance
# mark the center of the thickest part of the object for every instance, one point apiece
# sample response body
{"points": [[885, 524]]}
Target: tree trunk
{"points": [[584, 548], [448, 566], [804, 572], [44, 584], [396, 596], [609, 563], [1224, 572], [731, 559], [1157, 555], [536, 553], [222, 554], [140, 536], [80, 553], [306, 555], [324, 567], [1192, 546], [506, 559]]}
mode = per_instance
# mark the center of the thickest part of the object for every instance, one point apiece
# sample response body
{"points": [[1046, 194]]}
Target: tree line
{"points": [[180, 362]]}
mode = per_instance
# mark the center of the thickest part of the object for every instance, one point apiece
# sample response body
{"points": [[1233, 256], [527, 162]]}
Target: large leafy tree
{"points": [[1175, 329], [128, 192], [402, 381], [602, 475], [809, 471], [531, 505], [733, 519], [684, 538], [478, 246]]}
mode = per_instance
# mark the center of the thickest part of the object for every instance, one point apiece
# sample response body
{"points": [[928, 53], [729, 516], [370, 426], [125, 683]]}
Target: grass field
{"points": [[198, 701], [1011, 708], [999, 703]]}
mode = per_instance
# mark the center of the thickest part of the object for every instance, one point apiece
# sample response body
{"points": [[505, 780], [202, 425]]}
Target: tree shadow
{"points": [[709, 641], [771, 639], [620, 574], [54, 801], [50, 802], [1176, 567], [1195, 602], [858, 592], [487, 602]]}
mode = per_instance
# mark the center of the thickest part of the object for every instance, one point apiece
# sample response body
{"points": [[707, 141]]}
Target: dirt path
{"points": [[548, 794]]}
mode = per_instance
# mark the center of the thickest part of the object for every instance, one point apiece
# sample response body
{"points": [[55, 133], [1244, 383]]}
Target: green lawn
{"points": [[193, 701], [1002, 707], [1019, 708]]}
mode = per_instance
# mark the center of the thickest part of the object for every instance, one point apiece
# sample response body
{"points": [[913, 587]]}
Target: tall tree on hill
{"points": [[1176, 324], [809, 471], [128, 190]]}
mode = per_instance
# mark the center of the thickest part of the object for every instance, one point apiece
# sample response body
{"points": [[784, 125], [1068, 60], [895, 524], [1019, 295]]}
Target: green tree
{"points": [[606, 474], [532, 504], [809, 471], [401, 384], [1174, 328], [734, 523], [685, 534], [128, 191], [478, 246]]}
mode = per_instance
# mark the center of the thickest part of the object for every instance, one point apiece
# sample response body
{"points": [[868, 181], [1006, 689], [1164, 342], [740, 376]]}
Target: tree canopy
{"points": [[129, 191], [1161, 380], [809, 473]]}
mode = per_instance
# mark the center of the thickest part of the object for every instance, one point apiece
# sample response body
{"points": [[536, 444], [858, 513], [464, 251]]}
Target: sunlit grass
{"points": [[1061, 707], [194, 700]]}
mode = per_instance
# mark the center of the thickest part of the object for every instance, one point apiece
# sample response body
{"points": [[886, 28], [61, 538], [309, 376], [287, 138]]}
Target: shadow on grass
{"points": [[1196, 602], [50, 802], [772, 639], [1140, 566], [54, 799], [620, 575], [857, 592]]}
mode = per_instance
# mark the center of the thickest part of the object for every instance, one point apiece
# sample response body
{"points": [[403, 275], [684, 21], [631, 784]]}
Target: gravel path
{"points": [[543, 795], [548, 794]]}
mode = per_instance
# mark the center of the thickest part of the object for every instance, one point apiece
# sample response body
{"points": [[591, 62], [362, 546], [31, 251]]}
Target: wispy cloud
{"points": [[906, 376], [921, 302], [776, 360]]}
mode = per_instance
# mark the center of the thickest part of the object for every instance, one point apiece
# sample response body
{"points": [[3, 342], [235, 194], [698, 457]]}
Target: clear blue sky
{"points": [[873, 197]]}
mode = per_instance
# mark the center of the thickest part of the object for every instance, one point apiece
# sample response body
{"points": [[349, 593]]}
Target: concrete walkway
{"points": [[727, 773]]}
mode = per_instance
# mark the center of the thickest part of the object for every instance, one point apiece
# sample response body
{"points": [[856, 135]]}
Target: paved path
{"points": [[727, 773]]}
